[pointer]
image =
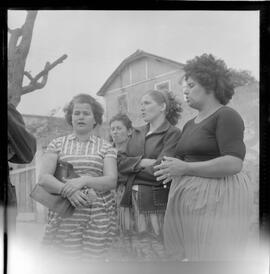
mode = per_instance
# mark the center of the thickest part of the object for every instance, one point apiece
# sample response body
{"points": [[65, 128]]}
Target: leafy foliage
{"points": [[241, 77]]}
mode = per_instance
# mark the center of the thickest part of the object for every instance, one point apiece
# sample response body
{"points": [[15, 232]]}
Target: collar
{"points": [[92, 138], [161, 129]]}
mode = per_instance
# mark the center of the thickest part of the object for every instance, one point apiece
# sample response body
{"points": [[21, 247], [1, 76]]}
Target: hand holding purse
{"points": [[56, 202]]}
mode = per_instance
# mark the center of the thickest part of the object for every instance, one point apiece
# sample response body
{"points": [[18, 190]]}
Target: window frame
{"points": [[163, 82], [119, 97]]}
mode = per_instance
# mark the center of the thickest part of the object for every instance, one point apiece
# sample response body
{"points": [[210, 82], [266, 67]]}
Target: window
{"points": [[122, 104], [163, 86]]}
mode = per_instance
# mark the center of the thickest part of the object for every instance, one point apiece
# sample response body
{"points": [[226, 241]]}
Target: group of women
{"points": [[161, 193]]}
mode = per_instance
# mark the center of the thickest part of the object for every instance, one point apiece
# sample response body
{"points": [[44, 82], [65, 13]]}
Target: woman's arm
{"points": [[47, 169], [169, 148], [215, 168], [102, 183], [144, 167], [127, 165], [219, 167], [229, 136]]}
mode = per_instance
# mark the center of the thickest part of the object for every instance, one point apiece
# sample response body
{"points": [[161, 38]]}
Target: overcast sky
{"points": [[96, 42]]}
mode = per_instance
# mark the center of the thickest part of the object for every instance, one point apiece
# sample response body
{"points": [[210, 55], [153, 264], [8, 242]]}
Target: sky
{"points": [[96, 42]]}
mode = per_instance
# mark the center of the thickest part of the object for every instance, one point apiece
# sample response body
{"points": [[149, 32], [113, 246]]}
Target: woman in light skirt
{"points": [[209, 205]]}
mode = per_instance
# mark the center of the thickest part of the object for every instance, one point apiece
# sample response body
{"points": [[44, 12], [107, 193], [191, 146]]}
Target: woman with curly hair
{"points": [[143, 199], [208, 211], [90, 230]]}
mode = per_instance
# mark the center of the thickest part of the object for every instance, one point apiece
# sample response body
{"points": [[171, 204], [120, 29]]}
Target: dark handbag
{"points": [[64, 170], [56, 202]]}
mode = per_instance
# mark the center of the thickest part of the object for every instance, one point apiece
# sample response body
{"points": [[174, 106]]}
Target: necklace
{"points": [[200, 119]]}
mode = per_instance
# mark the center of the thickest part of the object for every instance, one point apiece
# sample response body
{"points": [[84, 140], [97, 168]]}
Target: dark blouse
{"points": [[160, 143], [141, 145], [219, 134]]}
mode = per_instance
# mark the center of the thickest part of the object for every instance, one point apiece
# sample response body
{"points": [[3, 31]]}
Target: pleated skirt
{"points": [[88, 233], [208, 218]]}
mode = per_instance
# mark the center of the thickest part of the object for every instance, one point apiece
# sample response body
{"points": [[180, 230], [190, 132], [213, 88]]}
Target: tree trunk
{"points": [[17, 54]]}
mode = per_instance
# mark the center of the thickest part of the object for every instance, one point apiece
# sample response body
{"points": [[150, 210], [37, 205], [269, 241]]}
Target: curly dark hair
{"points": [[212, 74], [123, 118], [173, 105], [82, 98]]}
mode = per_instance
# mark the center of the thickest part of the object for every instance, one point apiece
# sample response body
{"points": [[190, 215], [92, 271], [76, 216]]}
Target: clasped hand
{"points": [[71, 186], [170, 167], [78, 199]]}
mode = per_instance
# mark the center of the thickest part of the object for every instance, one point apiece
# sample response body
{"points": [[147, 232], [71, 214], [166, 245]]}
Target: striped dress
{"points": [[90, 231]]}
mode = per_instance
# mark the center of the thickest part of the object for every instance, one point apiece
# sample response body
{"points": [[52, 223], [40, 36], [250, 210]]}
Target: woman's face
{"points": [[119, 132], [194, 93], [82, 118], [150, 109]]}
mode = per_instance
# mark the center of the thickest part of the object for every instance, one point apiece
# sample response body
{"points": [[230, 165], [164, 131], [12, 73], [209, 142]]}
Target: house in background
{"points": [[137, 74], [143, 71]]}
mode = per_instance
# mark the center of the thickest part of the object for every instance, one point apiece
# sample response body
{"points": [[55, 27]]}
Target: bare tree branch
{"points": [[50, 66], [17, 55], [34, 84], [28, 75]]}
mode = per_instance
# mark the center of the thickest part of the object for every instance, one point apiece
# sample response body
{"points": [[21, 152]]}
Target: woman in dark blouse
{"points": [[208, 211], [143, 199]]}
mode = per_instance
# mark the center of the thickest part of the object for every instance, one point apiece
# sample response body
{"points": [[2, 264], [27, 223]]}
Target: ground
{"points": [[30, 231], [27, 258]]}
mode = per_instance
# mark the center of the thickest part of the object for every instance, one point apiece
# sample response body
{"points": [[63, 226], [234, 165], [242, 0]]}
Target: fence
{"points": [[24, 180]]}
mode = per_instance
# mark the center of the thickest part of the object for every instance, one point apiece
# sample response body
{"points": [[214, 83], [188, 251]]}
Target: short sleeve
{"points": [[55, 145], [109, 151], [230, 134]]}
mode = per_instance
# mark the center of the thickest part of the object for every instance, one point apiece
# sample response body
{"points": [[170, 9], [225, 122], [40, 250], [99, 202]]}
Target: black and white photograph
{"points": [[133, 141]]}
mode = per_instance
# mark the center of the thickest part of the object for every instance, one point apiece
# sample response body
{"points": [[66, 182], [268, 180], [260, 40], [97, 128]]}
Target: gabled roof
{"points": [[136, 55]]}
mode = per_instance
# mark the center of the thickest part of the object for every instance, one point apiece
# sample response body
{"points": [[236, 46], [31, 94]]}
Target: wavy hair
{"points": [[212, 74], [82, 98]]}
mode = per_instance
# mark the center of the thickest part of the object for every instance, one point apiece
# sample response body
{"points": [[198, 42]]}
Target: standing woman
{"points": [[90, 230], [144, 199], [120, 132], [209, 204]]}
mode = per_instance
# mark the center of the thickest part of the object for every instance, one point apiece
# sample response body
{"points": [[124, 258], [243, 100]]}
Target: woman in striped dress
{"points": [[90, 230], [209, 205]]}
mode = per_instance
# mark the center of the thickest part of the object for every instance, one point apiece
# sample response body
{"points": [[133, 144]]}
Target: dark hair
{"points": [[82, 98], [123, 118], [173, 106], [212, 74]]}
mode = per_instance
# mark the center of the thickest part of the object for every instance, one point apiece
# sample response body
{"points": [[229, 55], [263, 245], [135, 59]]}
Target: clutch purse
{"points": [[56, 202]]}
